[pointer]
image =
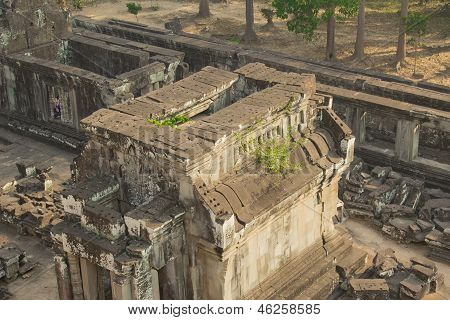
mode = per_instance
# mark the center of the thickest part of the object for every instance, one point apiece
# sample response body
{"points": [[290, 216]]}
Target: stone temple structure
{"points": [[184, 192], [46, 63]]}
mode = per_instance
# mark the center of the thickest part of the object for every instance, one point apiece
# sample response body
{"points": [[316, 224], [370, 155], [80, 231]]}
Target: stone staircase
{"points": [[312, 274]]}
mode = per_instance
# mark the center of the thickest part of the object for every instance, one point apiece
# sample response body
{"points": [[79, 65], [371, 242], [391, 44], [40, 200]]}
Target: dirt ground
{"points": [[16, 148], [228, 23], [39, 283]]}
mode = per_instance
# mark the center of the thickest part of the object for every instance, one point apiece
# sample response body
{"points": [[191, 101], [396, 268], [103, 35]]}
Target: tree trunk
{"points": [[401, 46], [331, 27], [250, 35], [415, 57], [360, 35], [203, 9]]}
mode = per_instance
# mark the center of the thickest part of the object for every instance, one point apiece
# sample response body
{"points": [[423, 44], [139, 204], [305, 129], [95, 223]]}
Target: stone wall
{"points": [[28, 23], [201, 52], [104, 59], [270, 242], [384, 129], [32, 83], [140, 180]]}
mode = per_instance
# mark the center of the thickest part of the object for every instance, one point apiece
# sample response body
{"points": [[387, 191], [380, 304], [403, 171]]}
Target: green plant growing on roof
{"points": [[134, 8], [172, 122], [275, 156]]}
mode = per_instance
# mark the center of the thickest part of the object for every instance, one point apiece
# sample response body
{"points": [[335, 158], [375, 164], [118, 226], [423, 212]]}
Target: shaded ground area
{"points": [[228, 23], [16, 148], [366, 234], [39, 283]]}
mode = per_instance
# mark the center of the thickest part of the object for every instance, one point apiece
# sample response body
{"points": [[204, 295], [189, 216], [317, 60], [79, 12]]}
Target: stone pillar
{"points": [[407, 140], [63, 278], [100, 283], [75, 276], [121, 287], [155, 285], [358, 125], [145, 283], [90, 280]]}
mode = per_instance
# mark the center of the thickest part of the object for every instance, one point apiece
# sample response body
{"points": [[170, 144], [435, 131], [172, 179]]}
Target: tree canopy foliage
{"points": [[304, 16], [134, 8]]}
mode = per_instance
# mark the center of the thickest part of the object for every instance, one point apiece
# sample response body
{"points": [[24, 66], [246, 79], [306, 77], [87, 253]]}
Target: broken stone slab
{"points": [[427, 263], [369, 289], [413, 288], [396, 210], [8, 187], [385, 263], [437, 283], [381, 172], [360, 213], [447, 234], [439, 245], [351, 263], [441, 225], [436, 238], [442, 214], [402, 193], [4, 294], [350, 196], [354, 189], [394, 283], [415, 228], [11, 259], [26, 169], [387, 268], [384, 195], [414, 198], [394, 175], [424, 225], [357, 205], [394, 232], [437, 193], [423, 273], [436, 209], [365, 175], [401, 223]]}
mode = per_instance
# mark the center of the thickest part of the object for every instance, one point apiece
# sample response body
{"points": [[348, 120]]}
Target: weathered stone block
{"points": [[369, 289], [413, 288], [423, 273]]}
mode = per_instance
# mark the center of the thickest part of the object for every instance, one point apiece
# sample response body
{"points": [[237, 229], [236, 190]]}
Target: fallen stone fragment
{"points": [[423, 273], [4, 294], [394, 175], [424, 225], [413, 288], [423, 262], [381, 172], [369, 289], [26, 169], [437, 193]]}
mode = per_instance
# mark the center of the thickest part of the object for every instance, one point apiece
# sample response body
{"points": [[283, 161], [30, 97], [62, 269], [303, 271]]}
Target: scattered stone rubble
{"points": [[4, 294], [387, 278], [13, 263], [401, 206], [31, 202]]}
